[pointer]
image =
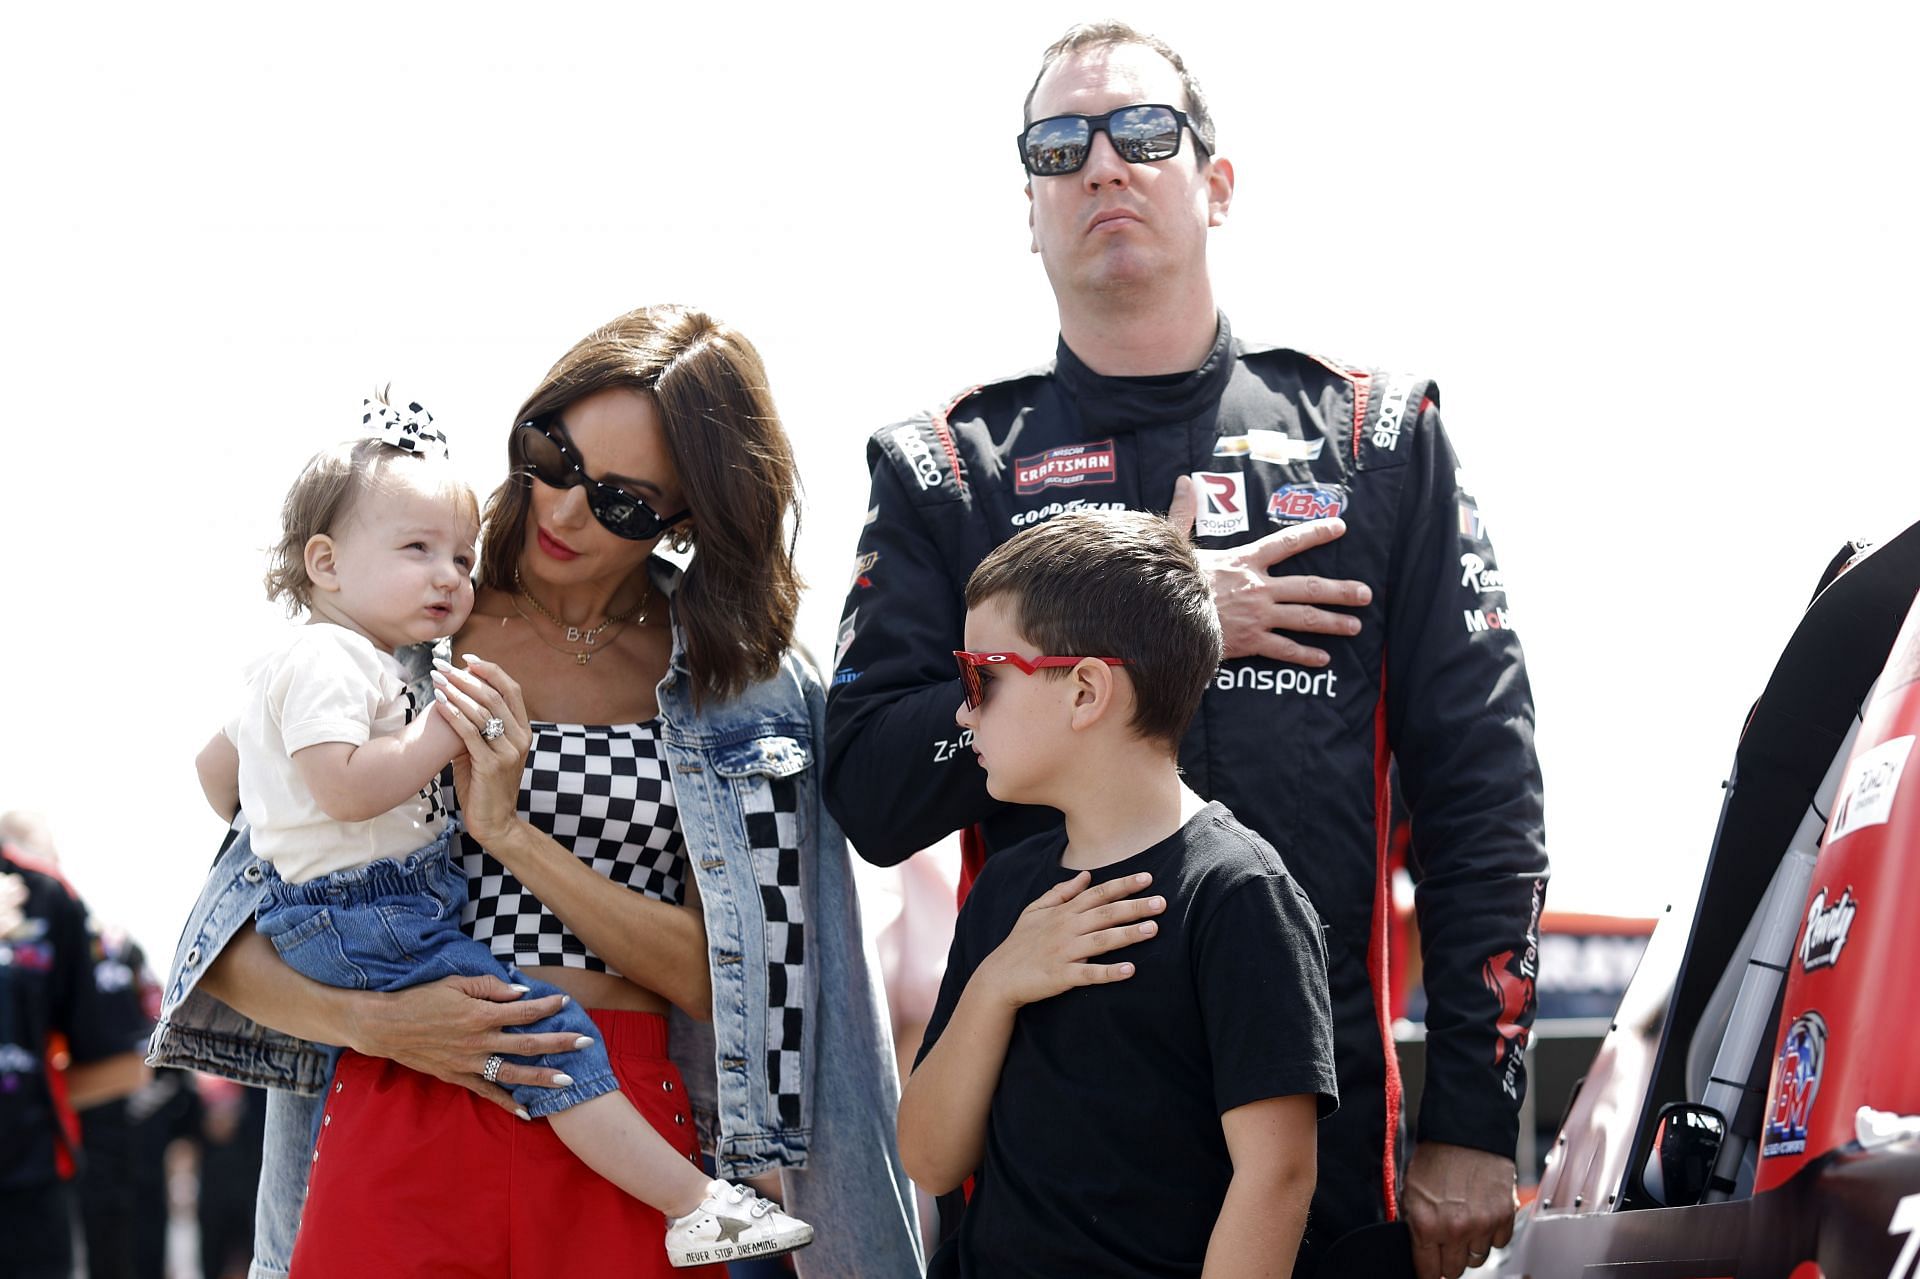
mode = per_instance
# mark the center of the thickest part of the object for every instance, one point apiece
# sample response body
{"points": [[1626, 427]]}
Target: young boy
{"points": [[1132, 1043]]}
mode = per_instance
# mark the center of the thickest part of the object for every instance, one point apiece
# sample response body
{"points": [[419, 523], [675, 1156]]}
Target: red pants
{"points": [[414, 1177]]}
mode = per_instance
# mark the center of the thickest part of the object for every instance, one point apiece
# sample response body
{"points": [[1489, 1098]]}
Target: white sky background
{"points": [[1661, 259]]}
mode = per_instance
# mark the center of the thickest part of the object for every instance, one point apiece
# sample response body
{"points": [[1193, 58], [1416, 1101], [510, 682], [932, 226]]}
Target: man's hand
{"points": [[1048, 949], [1254, 604], [1459, 1204]]}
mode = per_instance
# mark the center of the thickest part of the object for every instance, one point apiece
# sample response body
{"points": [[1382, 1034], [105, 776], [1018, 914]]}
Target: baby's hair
{"points": [[320, 500], [1114, 584]]}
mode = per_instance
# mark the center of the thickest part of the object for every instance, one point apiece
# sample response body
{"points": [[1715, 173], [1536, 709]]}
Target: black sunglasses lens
{"points": [[1057, 146], [621, 514], [1144, 134], [534, 450]]}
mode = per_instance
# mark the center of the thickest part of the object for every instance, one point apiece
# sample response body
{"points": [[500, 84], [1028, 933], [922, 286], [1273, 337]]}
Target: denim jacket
{"points": [[800, 1080]]}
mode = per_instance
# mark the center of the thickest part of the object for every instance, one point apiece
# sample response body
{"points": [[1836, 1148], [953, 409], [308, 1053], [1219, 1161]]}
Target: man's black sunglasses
{"points": [[1140, 134], [542, 451]]}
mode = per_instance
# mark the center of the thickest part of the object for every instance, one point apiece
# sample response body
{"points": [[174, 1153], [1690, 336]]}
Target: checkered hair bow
{"points": [[410, 429]]}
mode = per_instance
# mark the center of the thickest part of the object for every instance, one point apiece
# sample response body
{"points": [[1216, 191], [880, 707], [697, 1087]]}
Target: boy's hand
{"points": [[1047, 950]]}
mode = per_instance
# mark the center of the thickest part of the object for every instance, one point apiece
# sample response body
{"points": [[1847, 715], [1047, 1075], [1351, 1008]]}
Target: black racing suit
{"points": [[1434, 679]]}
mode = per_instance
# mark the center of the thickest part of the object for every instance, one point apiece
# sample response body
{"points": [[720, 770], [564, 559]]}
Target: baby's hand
{"points": [[1048, 949]]}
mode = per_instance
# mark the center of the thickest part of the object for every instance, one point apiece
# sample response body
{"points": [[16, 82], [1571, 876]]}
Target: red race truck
{"points": [[1754, 1109]]}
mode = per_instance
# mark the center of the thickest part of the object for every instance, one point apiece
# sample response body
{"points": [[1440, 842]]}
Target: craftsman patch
{"points": [[1065, 466]]}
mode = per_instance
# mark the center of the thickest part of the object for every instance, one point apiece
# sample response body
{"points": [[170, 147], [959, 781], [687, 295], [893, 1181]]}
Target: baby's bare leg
{"points": [[616, 1141]]}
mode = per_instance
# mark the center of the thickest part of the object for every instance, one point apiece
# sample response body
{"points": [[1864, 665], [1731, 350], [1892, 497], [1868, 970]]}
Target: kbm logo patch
{"points": [[1297, 502], [1067, 465], [1223, 503], [1796, 1082]]}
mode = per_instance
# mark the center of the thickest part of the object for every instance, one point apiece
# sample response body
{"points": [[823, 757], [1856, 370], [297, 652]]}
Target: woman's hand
{"points": [[449, 1028], [488, 778]]}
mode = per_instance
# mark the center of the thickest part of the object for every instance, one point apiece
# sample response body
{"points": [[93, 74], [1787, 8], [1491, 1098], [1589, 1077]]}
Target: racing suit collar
{"points": [[1127, 404]]}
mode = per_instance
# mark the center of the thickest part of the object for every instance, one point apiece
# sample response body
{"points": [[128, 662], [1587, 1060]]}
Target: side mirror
{"points": [[1685, 1145]]}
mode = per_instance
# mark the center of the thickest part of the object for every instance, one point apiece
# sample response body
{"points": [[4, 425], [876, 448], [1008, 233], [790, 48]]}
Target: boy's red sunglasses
{"points": [[970, 664]]}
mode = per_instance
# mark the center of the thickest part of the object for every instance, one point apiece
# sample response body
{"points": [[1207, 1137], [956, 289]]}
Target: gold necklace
{"points": [[577, 634], [580, 655], [574, 634]]}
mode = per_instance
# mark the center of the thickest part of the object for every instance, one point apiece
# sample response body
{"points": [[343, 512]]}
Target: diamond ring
{"points": [[492, 1071], [493, 729]]}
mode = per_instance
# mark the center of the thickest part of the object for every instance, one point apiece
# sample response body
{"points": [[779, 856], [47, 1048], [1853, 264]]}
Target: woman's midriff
{"points": [[601, 990]]}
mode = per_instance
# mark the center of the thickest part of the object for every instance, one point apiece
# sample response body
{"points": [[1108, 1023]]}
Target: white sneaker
{"points": [[730, 1223]]}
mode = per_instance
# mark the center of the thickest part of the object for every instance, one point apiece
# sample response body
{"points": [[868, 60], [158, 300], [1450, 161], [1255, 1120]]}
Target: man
{"points": [[1151, 400], [58, 999]]}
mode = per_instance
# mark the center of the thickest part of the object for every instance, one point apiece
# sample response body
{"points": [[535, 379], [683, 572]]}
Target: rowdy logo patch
{"points": [[1223, 503]]}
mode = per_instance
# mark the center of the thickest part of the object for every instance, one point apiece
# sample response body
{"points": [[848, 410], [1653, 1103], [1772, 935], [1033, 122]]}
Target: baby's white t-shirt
{"points": [[325, 684]]}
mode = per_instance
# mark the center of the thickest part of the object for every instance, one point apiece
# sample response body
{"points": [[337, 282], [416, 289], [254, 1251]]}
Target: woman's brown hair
{"points": [[737, 603]]}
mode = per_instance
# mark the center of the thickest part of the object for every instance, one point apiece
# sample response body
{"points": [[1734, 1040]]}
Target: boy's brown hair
{"points": [[1114, 584]]}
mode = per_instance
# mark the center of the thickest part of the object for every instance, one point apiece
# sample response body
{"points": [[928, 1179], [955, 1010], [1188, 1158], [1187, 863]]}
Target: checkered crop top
{"points": [[603, 791]]}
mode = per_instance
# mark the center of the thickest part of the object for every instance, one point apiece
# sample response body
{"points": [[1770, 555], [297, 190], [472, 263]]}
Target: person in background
{"points": [[66, 1044], [122, 1187]]}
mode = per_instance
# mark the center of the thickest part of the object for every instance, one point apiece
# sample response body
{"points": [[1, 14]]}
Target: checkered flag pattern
{"points": [[434, 792], [603, 792], [773, 832]]}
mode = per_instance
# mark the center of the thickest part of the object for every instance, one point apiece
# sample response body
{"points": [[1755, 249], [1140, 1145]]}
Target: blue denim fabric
{"points": [[839, 1169], [857, 1195], [197, 1031], [392, 924], [286, 1155]]}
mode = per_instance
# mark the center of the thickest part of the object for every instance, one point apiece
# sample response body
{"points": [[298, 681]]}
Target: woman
{"points": [[646, 834]]}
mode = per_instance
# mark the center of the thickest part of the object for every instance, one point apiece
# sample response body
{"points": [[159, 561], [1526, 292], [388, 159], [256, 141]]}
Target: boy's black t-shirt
{"points": [[1104, 1151]]}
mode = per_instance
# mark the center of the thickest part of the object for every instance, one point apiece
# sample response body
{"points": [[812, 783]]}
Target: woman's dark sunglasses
{"points": [[1140, 134], [537, 449]]}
